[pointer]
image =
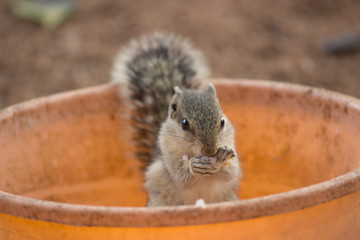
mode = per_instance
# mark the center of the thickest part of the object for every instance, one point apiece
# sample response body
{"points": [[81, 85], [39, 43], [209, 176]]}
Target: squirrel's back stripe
{"points": [[149, 68]]}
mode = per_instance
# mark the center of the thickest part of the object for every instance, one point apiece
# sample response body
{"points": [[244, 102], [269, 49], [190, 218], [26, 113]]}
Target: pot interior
{"points": [[76, 147]]}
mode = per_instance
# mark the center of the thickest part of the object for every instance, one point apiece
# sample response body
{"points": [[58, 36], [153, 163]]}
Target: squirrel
{"points": [[180, 129]]}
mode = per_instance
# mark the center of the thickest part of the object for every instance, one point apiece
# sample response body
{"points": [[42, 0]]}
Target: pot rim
{"points": [[87, 215]]}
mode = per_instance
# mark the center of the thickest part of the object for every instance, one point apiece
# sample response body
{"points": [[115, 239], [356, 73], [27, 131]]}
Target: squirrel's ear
{"points": [[211, 89], [178, 91], [174, 100]]}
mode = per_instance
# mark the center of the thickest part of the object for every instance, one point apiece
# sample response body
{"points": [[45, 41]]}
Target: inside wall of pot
{"points": [[77, 148]]}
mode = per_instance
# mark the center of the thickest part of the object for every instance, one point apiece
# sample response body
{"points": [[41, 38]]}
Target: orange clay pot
{"points": [[68, 171]]}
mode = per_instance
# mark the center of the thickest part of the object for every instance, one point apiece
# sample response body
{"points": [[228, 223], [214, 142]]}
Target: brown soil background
{"points": [[263, 39]]}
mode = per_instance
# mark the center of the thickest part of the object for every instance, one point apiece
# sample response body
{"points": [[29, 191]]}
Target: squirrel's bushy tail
{"points": [[149, 69]]}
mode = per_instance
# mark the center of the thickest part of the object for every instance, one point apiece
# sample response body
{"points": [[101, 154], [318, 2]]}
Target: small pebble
{"points": [[307, 65], [200, 203], [47, 13], [341, 44]]}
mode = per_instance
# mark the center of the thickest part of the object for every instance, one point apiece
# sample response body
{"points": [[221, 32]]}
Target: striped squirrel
{"points": [[179, 127]]}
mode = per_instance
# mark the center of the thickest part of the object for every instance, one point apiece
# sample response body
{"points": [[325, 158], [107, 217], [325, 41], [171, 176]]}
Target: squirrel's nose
{"points": [[209, 151]]}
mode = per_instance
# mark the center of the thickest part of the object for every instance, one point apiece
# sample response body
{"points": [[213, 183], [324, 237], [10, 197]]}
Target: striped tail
{"points": [[150, 68]]}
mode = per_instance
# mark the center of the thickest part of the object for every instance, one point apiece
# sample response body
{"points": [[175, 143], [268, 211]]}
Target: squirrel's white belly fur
{"points": [[212, 189]]}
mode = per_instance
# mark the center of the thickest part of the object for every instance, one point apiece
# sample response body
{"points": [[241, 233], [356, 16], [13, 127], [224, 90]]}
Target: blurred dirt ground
{"points": [[263, 39]]}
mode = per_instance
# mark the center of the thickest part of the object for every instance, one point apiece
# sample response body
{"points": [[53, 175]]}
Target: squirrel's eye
{"points": [[185, 124], [222, 122]]}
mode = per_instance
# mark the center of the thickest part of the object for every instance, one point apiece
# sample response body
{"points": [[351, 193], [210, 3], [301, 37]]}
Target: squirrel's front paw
{"points": [[224, 153], [201, 165]]}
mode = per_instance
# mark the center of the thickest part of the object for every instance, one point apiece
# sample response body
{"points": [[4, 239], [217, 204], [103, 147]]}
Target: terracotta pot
{"points": [[67, 169]]}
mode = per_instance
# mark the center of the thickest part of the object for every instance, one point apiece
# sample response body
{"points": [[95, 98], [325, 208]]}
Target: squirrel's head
{"points": [[199, 116]]}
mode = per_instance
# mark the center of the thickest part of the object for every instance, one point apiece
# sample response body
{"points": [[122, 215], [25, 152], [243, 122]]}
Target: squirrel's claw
{"points": [[202, 166], [224, 153]]}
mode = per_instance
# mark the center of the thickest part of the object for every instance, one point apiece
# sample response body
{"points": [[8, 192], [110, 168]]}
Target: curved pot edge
{"points": [[84, 215]]}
